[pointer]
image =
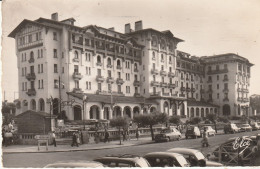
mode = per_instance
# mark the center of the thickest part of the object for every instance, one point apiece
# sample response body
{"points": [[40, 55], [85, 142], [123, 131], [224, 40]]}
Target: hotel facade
{"points": [[97, 73]]}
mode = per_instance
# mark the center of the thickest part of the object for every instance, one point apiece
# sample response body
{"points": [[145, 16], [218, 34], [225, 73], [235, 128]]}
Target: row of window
{"points": [[210, 78], [225, 96], [240, 66], [30, 38], [162, 67], [190, 66], [225, 86], [217, 67], [162, 57], [40, 55]]}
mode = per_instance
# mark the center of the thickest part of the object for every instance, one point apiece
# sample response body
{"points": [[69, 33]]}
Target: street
{"points": [[41, 159]]}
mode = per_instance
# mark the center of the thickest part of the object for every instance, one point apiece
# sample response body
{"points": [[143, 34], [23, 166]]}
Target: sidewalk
{"points": [[67, 148]]}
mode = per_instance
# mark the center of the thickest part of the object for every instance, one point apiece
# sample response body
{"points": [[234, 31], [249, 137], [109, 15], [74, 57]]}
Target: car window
{"points": [[122, 164], [199, 155], [165, 131], [182, 162]]}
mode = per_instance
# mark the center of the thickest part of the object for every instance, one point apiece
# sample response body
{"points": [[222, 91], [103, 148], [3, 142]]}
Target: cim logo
{"points": [[242, 144]]}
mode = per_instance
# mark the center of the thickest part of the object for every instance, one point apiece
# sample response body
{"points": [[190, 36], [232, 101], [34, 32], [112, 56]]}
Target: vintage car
{"points": [[255, 126], [166, 159], [245, 127], [75, 164], [192, 131], [231, 128], [168, 134], [195, 157], [209, 130], [126, 160]]}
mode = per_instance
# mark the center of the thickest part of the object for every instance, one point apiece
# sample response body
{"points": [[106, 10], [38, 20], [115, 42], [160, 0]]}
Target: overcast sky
{"points": [[208, 26]]}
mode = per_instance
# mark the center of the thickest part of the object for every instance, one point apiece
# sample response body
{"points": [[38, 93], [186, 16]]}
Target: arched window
{"points": [[135, 66], [225, 77], [197, 112], [41, 105], [118, 63], [153, 55], [108, 61], [76, 55], [162, 57], [98, 59], [31, 55], [33, 104]]}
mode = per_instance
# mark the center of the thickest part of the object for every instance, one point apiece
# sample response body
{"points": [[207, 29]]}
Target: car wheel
{"points": [[168, 139], [179, 138]]}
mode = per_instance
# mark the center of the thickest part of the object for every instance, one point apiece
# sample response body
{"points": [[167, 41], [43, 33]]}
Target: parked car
{"points": [[192, 131], [75, 164], [245, 127], [209, 130], [195, 157], [231, 128], [168, 134], [126, 160], [166, 159], [255, 126]]}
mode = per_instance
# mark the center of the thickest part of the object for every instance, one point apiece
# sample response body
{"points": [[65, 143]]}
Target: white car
{"points": [[246, 127], [209, 130], [168, 134]]}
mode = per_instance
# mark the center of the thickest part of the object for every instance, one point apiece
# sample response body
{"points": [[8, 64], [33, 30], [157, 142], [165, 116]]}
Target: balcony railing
{"points": [[75, 59], [202, 91], [109, 66], [210, 100], [30, 76], [118, 67], [31, 60], [163, 73], [100, 78], [193, 90], [225, 79], [171, 74], [239, 89], [155, 71], [154, 83], [245, 99], [181, 95], [99, 64], [153, 58], [165, 94], [155, 94], [188, 89], [135, 70], [163, 84], [183, 89], [77, 90], [211, 72], [209, 81], [171, 85], [110, 80], [239, 99], [137, 95], [77, 76], [120, 81], [245, 90], [225, 99], [225, 90], [137, 83], [182, 78], [210, 91], [31, 92]]}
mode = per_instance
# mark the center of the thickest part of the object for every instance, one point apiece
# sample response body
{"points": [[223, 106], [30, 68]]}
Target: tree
{"points": [[119, 122], [195, 120], [213, 118], [150, 120], [175, 120], [8, 112]]}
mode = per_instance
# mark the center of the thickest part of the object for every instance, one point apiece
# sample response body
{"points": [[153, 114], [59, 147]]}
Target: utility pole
{"points": [[60, 98]]}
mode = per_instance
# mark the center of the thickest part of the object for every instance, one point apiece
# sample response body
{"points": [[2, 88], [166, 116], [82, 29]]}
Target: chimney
{"points": [[54, 16], [127, 28], [138, 25], [112, 29]]}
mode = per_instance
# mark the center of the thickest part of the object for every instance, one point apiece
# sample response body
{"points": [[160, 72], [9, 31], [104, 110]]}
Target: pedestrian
{"points": [[205, 141], [137, 134], [3, 137], [106, 136], [53, 137], [81, 137], [74, 140], [124, 135], [78, 137], [96, 137]]}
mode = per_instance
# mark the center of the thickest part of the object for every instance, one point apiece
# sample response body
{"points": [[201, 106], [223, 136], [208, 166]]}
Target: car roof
{"points": [[120, 158], [183, 150], [162, 154], [75, 164]]}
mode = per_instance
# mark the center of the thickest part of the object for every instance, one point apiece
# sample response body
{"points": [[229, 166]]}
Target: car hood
{"points": [[213, 163]]}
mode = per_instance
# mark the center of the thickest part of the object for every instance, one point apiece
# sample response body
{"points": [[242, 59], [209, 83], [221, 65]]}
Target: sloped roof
{"points": [[116, 99], [200, 103]]}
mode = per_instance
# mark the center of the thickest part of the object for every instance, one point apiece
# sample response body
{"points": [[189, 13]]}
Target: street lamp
{"points": [[84, 100]]}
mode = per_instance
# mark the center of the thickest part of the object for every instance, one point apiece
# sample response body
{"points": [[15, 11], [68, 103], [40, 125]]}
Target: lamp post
{"points": [[84, 100]]}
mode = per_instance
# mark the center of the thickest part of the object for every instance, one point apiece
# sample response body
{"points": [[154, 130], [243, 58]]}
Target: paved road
{"points": [[42, 159]]}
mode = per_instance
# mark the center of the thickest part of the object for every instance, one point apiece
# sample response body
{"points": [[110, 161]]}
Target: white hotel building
{"points": [[137, 72]]}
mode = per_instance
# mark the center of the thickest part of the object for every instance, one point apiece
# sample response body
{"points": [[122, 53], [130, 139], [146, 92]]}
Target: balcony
{"points": [[118, 67], [192, 80], [245, 90], [171, 85], [225, 79], [225, 90], [109, 66], [31, 92], [211, 72], [225, 99], [181, 95], [210, 100], [188, 89], [209, 81], [137, 95], [100, 78], [165, 94], [187, 79], [137, 83], [163, 73], [31, 60], [183, 89], [77, 76], [155, 71], [77, 90], [239, 99], [153, 58], [110, 80], [245, 99], [171, 74], [155, 94], [30, 76], [154, 83], [202, 91], [193, 90], [239, 89], [120, 81], [135, 70], [210, 91], [75, 59], [163, 84], [99, 64]]}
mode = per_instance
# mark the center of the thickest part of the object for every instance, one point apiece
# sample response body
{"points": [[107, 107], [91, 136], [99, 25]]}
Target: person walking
{"points": [[53, 137], [74, 140], [124, 135], [205, 140], [137, 134], [106, 136]]}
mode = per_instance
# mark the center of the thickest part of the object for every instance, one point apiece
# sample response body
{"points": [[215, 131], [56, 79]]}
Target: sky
{"points": [[208, 26]]}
